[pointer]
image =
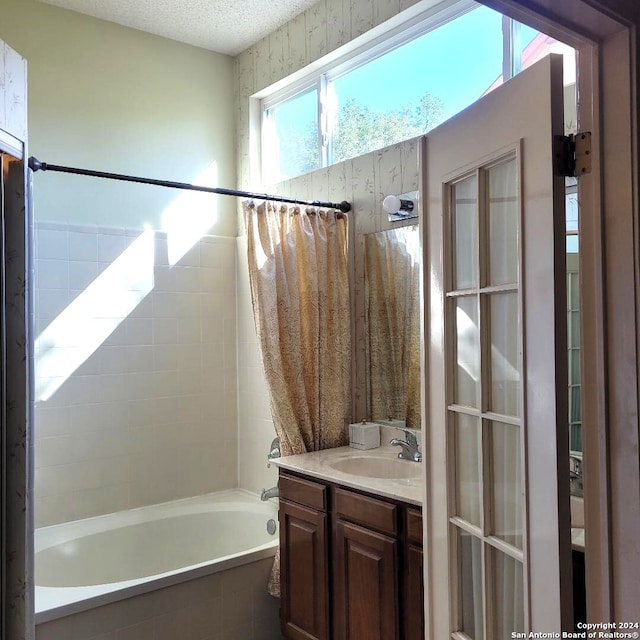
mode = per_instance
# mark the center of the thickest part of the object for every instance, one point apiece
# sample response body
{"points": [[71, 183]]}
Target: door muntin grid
{"points": [[484, 432]]}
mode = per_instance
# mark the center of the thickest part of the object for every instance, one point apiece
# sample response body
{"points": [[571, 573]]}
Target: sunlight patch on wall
{"points": [[93, 316], [191, 215]]}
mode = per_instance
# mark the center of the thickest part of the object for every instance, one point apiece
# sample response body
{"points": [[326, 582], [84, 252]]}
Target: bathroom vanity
{"points": [[351, 546]]}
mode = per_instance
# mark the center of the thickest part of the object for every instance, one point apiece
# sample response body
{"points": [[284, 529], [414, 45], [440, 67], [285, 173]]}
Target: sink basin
{"points": [[377, 467]]}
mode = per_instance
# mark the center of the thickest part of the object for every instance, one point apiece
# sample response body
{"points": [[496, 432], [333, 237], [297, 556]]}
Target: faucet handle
{"points": [[577, 466], [274, 451], [410, 437]]}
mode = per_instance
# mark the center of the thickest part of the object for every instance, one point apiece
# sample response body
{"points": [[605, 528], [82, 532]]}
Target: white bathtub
{"points": [[86, 563]]}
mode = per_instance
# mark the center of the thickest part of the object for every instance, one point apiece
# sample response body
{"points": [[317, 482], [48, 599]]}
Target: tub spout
{"points": [[269, 493]]}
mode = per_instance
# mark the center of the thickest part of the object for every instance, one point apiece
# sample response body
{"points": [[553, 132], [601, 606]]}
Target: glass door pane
{"points": [[469, 468], [508, 600], [503, 222], [467, 352], [471, 579], [507, 490], [505, 374], [486, 516], [465, 205]]}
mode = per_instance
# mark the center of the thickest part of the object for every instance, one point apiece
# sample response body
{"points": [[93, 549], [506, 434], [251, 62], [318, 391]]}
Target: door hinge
{"points": [[572, 154]]}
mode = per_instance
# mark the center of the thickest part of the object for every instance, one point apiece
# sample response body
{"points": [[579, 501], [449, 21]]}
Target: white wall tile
{"points": [[82, 274], [113, 359], [110, 246], [52, 244], [54, 451], [191, 258], [83, 246], [53, 274], [139, 358], [165, 357], [139, 331], [50, 303], [211, 254], [144, 391]]}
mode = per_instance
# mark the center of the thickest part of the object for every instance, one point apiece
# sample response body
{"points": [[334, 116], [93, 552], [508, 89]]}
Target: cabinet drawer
{"points": [[369, 512], [414, 526], [306, 492]]}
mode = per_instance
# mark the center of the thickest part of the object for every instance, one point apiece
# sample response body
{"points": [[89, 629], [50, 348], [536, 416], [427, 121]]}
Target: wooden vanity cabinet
{"points": [[350, 564], [413, 577], [365, 579], [304, 559]]}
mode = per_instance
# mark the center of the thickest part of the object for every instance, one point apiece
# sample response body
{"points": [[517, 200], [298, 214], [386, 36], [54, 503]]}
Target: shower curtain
{"points": [[300, 291], [392, 265]]}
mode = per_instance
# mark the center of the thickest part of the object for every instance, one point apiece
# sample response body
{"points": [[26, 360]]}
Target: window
{"points": [[395, 89]]}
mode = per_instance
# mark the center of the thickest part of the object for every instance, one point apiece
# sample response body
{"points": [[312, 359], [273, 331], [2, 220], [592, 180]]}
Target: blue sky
{"points": [[456, 62]]}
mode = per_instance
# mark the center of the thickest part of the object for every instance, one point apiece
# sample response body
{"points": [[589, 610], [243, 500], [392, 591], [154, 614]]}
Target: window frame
{"points": [[365, 49], [376, 43]]}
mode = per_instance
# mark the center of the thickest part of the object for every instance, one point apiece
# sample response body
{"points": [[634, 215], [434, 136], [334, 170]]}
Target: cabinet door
{"points": [[413, 601], [303, 569], [365, 584]]}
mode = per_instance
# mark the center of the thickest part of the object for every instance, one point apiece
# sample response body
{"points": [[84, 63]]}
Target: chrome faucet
{"points": [[409, 446], [576, 476], [269, 493]]}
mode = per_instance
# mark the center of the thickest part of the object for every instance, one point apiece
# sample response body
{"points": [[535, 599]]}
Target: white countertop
{"points": [[577, 538], [318, 465]]}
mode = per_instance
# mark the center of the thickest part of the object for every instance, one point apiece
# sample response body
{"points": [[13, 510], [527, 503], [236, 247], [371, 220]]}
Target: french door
{"points": [[497, 550]]}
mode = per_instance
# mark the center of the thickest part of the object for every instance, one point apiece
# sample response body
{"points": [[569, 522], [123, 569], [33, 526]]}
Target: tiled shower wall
{"points": [[150, 414]]}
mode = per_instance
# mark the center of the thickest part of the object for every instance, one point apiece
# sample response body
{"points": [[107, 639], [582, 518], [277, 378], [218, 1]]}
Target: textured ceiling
{"points": [[226, 26]]}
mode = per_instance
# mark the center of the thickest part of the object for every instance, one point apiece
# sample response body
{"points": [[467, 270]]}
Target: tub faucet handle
{"points": [[274, 451]]}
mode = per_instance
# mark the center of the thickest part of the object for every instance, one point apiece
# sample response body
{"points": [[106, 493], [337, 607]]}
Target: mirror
{"points": [[392, 310], [573, 316]]}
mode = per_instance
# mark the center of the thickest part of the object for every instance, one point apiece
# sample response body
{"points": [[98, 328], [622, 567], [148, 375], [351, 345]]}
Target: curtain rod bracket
{"points": [[37, 165]]}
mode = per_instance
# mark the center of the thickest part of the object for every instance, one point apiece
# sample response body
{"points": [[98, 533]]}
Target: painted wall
{"points": [[364, 181], [135, 354], [110, 98], [13, 80]]}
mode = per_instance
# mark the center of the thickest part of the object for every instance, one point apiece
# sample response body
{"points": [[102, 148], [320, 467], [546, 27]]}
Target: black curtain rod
{"points": [[36, 165]]}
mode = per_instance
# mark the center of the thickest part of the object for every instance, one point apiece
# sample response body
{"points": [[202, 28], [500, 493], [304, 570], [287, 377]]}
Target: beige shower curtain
{"points": [[300, 292], [392, 261]]}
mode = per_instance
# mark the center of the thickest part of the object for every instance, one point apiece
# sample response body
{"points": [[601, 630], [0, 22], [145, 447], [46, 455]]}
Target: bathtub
{"points": [[89, 563]]}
